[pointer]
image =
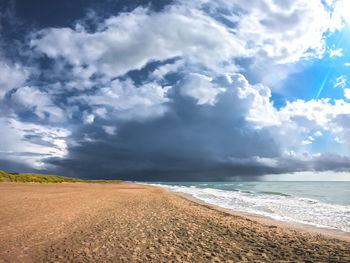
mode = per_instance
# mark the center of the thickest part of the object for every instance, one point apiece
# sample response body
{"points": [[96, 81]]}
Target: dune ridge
{"points": [[42, 178]]}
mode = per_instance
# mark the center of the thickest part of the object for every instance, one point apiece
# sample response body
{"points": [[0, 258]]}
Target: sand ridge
{"points": [[137, 223]]}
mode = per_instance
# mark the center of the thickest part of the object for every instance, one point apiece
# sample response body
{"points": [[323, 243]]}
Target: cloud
{"points": [[318, 133], [111, 130], [284, 30], [186, 141], [306, 142], [200, 33], [336, 52], [340, 82], [201, 88], [39, 102], [161, 71], [347, 93], [338, 140], [88, 118], [31, 143], [127, 100], [340, 13], [319, 162], [240, 134], [258, 97], [139, 37], [306, 116], [277, 34], [11, 77], [312, 114]]}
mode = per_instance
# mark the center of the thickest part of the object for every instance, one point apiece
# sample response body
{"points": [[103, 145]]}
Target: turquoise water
{"points": [[322, 204]]}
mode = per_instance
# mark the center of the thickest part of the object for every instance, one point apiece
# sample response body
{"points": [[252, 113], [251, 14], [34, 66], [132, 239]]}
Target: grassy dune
{"points": [[40, 178]]}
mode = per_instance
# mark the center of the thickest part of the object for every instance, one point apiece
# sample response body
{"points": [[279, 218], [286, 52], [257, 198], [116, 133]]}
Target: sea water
{"points": [[321, 204]]}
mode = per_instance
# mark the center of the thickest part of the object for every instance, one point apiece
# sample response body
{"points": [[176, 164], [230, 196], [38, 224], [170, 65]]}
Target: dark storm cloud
{"points": [[16, 167], [190, 142], [42, 13]]}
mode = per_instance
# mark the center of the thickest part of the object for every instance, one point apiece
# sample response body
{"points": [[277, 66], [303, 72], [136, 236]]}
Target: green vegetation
{"points": [[40, 178]]}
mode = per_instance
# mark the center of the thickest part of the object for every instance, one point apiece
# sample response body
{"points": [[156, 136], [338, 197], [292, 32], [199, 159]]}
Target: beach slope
{"points": [[137, 223]]}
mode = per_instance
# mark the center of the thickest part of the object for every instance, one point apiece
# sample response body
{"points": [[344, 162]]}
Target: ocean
{"points": [[320, 204]]}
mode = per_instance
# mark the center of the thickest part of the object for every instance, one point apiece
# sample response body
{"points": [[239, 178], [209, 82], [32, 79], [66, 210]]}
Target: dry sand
{"points": [[137, 223]]}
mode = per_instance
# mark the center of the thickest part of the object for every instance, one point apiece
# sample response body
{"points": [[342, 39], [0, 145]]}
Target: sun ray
{"points": [[323, 84], [338, 44]]}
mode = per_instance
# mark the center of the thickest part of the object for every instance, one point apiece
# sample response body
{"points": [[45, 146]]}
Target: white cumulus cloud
{"points": [[318, 133], [111, 130], [340, 82], [39, 102], [30, 143], [201, 88], [127, 100], [336, 52], [130, 40], [11, 77], [347, 93]]}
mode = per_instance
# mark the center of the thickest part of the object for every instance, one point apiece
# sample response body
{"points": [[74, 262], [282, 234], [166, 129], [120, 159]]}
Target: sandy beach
{"points": [[136, 223]]}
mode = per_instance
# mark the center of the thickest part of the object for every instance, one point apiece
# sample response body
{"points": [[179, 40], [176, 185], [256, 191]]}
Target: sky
{"points": [[177, 90]]}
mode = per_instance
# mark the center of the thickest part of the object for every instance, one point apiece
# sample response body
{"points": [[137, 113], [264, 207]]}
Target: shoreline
{"points": [[269, 221], [78, 222], [264, 219]]}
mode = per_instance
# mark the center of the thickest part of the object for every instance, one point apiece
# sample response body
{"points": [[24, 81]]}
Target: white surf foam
{"points": [[284, 208]]}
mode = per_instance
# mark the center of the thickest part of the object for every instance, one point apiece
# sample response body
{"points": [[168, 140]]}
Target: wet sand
{"points": [[137, 223]]}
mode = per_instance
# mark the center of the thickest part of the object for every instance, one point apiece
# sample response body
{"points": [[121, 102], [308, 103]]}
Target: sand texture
{"points": [[137, 223]]}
